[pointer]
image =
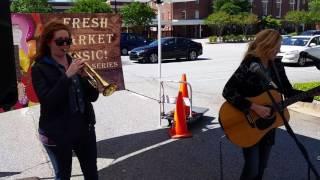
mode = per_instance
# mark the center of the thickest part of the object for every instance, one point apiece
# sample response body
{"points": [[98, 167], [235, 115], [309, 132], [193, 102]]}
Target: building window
{"points": [[292, 5], [278, 7], [184, 14], [264, 7], [196, 14], [251, 5]]}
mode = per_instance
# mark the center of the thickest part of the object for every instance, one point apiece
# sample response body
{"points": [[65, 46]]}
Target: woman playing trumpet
{"points": [[67, 117]]}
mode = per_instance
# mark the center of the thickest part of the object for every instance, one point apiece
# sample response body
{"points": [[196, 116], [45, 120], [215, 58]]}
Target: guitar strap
{"points": [[288, 127], [275, 69]]}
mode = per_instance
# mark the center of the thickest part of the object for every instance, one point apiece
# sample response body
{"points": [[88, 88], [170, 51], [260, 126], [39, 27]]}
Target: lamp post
{"points": [[159, 2], [115, 6]]}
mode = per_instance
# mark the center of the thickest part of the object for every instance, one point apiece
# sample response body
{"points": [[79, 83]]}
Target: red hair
{"points": [[46, 36]]}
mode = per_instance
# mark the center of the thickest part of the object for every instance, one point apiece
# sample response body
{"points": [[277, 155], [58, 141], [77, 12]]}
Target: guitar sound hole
{"points": [[263, 124]]}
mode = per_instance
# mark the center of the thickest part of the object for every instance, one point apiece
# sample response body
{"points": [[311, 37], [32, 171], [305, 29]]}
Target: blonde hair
{"points": [[265, 42]]}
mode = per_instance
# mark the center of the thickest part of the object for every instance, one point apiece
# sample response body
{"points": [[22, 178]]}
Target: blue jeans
{"points": [[85, 149], [256, 159]]}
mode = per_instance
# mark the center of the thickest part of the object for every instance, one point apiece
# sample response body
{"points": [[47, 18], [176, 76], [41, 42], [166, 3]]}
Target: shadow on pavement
{"points": [[198, 157], [308, 64], [175, 61], [73, 176], [190, 158], [287, 162], [4, 174]]}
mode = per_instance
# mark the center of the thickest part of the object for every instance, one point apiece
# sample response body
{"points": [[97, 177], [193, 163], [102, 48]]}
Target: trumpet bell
{"points": [[96, 80], [111, 88]]}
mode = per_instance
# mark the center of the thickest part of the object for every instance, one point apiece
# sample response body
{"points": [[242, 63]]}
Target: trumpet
{"points": [[96, 80]]}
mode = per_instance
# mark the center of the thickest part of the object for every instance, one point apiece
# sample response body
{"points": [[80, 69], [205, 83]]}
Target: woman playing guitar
{"points": [[245, 83]]}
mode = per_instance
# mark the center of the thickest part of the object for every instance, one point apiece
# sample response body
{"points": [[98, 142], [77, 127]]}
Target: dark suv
{"points": [[129, 41]]}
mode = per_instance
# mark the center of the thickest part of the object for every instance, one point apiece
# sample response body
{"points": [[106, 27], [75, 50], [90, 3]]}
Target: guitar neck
{"points": [[300, 97]]}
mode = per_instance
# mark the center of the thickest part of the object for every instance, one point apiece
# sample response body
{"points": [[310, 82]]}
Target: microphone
{"points": [[256, 68]]}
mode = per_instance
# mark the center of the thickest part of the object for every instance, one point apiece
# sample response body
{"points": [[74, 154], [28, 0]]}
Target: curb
{"points": [[312, 109]]}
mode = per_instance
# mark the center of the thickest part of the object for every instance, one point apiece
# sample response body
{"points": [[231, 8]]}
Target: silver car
{"points": [[293, 49]]}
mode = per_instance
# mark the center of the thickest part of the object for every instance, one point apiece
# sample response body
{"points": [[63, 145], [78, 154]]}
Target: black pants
{"points": [[86, 150], [256, 159]]}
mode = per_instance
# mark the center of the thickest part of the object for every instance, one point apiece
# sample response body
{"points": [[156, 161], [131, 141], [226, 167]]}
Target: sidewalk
{"points": [[312, 109], [116, 115], [21, 154], [132, 146]]}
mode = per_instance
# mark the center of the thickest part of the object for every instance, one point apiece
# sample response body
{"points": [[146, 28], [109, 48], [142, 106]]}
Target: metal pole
{"points": [[159, 52], [159, 39]]}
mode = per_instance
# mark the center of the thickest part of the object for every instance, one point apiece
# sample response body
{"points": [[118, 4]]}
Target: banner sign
{"points": [[96, 38]]}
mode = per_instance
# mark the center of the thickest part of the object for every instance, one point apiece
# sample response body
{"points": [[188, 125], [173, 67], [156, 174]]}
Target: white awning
{"points": [[179, 22]]}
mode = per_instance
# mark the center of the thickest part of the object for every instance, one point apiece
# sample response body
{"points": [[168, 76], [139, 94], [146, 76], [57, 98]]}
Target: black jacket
{"points": [[52, 88], [244, 83]]}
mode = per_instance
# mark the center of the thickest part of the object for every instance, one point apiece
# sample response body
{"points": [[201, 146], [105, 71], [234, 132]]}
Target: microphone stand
{"points": [[292, 134]]}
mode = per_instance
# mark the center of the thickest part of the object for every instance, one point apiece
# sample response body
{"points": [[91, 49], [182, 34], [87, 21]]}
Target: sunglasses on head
{"points": [[62, 41]]}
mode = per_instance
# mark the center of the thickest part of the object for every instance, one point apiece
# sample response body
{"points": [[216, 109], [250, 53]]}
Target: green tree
{"points": [[231, 6], [297, 18], [314, 6], [245, 20], [219, 20], [243, 4], [314, 9], [29, 6], [138, 15], [270, 22], [217, 4], [90, 6]]}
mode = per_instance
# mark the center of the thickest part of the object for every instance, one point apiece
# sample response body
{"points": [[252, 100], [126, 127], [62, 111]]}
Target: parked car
{"points": [[129, 41], [285, 36], [310, 33], [172, 47], [292, 49]]}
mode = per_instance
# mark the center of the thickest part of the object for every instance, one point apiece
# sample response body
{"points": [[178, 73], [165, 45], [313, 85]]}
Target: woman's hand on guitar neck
{"points": [[262, 111]]}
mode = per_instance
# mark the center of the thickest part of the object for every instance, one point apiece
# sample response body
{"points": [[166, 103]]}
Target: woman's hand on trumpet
{"points": [[75, 67]]}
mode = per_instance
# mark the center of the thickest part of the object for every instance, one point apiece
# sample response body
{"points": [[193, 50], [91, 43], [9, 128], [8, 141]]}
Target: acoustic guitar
{"points": [[246, 130]]}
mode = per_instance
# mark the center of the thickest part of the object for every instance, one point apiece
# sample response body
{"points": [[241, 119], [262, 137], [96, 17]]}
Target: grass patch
{"points": [[306, 86]]}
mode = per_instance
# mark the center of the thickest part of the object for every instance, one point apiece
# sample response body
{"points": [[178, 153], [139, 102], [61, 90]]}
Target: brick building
{"points": [[186, 17], [118, 4], [276, 8], [60, 5]]}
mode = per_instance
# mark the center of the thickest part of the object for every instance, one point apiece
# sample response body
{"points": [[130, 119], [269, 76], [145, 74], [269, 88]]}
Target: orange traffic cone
{"points": [[184, 90], [179, 128]]}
